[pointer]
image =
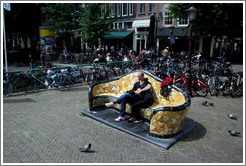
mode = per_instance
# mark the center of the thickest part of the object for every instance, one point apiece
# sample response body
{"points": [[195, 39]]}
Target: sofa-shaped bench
{"points": [[166, 115]]}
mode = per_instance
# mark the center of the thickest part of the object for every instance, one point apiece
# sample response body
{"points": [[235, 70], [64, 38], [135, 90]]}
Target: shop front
{"points": [[118, 39], [140, 36], [177, 41]]}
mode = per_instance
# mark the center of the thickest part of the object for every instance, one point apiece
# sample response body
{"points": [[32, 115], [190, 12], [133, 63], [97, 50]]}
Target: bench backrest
{"points": [[120, 85]]}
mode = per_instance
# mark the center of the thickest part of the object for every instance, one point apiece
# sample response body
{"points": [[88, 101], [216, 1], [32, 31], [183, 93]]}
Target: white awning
{"points": [[141, 23]]}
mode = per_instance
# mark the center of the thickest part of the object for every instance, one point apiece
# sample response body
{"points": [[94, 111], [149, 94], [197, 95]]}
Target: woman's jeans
{"points": [[126, 98]]}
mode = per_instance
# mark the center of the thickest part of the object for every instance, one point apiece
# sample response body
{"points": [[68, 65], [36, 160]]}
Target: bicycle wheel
{"points": [[81, 77], [41, 82], [30, 85], [71, 79], [200, 88], [63, 82], [89, 78], [110, 74], [117, 71], [226, 88], [40, 86], [212, 86], [7, 89], [180, 83], [235, 90], [98, 77]]}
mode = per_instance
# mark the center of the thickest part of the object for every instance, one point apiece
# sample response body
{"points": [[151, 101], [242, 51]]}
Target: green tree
{"points": [[59, 16], [215, 19], [93, 22]]}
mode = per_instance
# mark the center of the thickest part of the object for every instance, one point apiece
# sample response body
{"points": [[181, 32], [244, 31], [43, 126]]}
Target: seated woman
{"points": [[139, 97]]}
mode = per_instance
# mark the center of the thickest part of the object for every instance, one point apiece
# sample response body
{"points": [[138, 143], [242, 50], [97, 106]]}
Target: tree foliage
{"points": [[92, 22], [215, 19], [59, 16]]}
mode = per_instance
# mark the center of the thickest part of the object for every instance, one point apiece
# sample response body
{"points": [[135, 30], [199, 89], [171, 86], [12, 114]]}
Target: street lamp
{"points": [[191, 16], [171, 28]]}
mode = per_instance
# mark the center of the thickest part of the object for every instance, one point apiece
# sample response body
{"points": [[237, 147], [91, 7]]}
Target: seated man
{"points": [[139, 97]]}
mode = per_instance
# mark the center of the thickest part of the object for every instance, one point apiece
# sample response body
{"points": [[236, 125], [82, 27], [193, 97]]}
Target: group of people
{"points": [[109, 56]]}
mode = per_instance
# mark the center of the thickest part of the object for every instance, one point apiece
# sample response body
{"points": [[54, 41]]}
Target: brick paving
{"points": [[47, 127]]}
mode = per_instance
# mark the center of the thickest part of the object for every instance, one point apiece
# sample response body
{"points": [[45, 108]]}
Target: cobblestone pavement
{"points": [[47, 127]]}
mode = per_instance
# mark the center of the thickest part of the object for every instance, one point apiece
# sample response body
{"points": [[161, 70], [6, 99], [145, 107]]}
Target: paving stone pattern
{"points": [[47, 127]]}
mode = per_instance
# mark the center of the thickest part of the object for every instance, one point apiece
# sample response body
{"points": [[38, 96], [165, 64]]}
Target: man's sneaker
{"points": [[120, 119], [138, 121], [131, 119], [111, 104]]}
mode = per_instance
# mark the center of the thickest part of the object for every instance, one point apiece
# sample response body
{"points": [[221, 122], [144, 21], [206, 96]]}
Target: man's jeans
{"points": [[126, 98]]}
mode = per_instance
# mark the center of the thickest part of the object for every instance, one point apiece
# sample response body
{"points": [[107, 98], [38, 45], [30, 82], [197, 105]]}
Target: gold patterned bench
{"points": [[166, 115]]}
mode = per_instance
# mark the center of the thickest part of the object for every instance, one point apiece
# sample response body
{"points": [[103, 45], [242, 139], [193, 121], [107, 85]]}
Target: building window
{"points": [[142, 8], [103, 10], [182, 21], [108, 10], [113, 9], [167, 21], [130, 8], [120, 25], [128, 25], [119, 9], [115, 25], [142, 29], [124, 9], [151, 7]]}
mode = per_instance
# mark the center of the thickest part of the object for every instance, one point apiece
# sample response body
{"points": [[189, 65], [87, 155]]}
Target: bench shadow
{"points": [[25, 100], [77, 88], [197, 133]]}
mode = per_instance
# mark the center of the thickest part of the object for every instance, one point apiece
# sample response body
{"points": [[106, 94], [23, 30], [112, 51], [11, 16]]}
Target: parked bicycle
{"points": [[99, 73], [16, 82], [198, 87]]}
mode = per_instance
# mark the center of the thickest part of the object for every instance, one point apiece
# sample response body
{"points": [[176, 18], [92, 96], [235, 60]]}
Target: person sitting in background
{"points": [[126, 58], [101, 59], [108, 58]]}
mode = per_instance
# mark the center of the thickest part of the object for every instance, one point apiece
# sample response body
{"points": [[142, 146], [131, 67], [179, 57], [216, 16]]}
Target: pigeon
{"points": [[204, 103], [86, 148], [211, 104], [234, 133], [231, 116]]}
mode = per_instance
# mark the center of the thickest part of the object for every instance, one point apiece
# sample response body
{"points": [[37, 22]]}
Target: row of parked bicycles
{"points": [[62, 78], [211, 77], [207, 76]]}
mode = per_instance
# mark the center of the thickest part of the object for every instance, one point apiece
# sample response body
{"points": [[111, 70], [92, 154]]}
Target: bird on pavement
{"points": [[86, 148], [231, 116], [234, 133], [211, 104], [204, 103]]}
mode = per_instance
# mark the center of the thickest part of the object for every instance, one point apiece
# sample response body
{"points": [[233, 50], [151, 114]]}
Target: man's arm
{"points": [[138, 91]]}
